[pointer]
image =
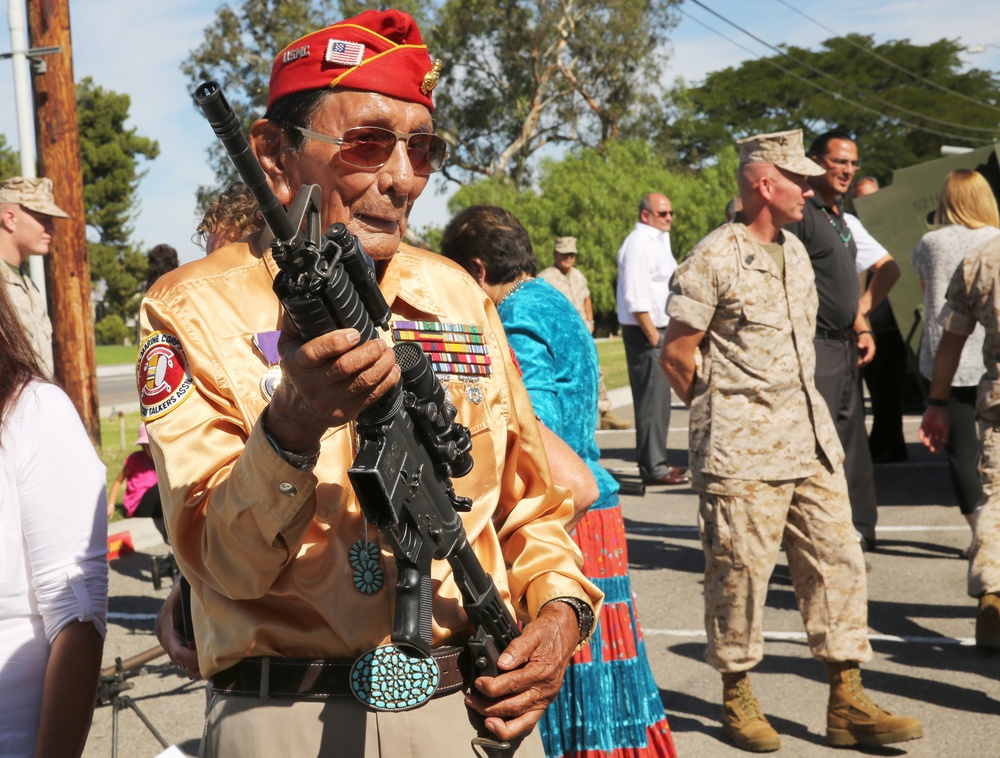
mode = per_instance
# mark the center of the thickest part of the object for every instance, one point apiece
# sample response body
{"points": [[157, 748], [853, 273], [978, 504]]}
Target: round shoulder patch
{"points": [[162, 375]]}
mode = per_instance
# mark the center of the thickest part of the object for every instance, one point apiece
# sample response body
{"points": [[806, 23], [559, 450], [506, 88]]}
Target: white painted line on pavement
{"points": [[115, 616], [878, 529], [922, 528], [801, 637]]}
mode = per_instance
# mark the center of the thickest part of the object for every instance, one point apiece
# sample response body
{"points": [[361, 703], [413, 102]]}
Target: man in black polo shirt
{"points": [[844, 340]]}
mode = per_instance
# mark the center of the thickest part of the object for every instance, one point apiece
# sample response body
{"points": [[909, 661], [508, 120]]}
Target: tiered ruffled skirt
{"points": [[609, 705]]}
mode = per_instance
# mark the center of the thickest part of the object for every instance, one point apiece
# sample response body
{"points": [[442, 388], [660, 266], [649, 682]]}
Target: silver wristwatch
{"points": [[301, 461], [584, 614]]}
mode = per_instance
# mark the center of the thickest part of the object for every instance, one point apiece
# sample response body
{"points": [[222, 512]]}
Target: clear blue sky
{"points": [[137, 48]]}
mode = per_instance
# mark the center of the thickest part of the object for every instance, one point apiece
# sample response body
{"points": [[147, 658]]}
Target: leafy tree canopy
{"points": [[520, 75], [594, 195], [109, 156], [898, 120], [10, 161]]}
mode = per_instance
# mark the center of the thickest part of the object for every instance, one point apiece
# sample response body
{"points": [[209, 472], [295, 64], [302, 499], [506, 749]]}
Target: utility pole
{"points": [[67, 267]]}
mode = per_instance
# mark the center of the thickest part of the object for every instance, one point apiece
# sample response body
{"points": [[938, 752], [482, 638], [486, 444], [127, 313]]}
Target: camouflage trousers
{"points": [[984, 554], [604, 404], [743, 524]]}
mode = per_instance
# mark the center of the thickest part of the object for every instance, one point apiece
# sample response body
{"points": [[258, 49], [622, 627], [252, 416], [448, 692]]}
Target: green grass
{"points": [[611, 354], [113, 355]]}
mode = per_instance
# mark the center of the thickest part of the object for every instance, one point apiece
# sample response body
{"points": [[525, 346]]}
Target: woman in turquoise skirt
{"points": [[609, 705]]}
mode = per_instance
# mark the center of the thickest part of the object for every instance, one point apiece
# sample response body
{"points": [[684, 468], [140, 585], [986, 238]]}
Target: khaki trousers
{"points": [[984, 555], [743, 524], [247, 727]]}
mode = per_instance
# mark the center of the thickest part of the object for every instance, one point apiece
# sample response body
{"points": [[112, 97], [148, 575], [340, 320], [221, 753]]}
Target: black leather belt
{"points": [[321, 679], [844, 335]]}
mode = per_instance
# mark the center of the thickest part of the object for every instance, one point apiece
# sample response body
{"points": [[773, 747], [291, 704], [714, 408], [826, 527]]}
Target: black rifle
{"points": [[410, 444]]}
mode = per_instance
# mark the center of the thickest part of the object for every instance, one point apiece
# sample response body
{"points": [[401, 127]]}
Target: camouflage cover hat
{"points": [[565, 244], [783, 149], [33, 194]]}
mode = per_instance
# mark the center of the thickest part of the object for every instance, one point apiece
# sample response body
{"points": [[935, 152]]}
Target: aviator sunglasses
{"points": [[372, 146]]}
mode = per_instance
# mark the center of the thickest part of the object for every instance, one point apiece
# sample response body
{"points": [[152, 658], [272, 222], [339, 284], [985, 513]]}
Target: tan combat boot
{"points": [[988, 622], [853, 719], [742, 720]]}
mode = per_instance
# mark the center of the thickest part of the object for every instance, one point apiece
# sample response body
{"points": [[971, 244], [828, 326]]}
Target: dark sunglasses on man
{"points": [[372, 146]]}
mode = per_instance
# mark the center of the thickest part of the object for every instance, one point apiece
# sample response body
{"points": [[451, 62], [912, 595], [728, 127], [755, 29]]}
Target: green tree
{"points": [[109, 156], [10, 161], [522, 75], [594, 195], [111, 330], [898, 120]]}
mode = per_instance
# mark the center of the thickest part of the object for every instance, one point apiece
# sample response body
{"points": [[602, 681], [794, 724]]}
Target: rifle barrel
{"points": [[228, 129]]}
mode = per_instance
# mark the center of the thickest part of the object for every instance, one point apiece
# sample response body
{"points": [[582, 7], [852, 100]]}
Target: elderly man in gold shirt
{"points": [[290, 585]]}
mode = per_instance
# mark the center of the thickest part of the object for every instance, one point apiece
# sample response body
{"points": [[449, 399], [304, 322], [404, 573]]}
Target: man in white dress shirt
{"points": [[645, 265]]}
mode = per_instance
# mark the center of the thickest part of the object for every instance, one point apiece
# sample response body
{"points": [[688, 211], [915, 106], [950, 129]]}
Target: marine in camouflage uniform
{"points": [[974, 297], [27, 210], [764, 452], [33, 314]]}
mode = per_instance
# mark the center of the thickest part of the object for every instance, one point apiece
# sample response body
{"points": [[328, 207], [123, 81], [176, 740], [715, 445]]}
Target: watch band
{"points": [[584, 614], [937, 403], [301, 461]]}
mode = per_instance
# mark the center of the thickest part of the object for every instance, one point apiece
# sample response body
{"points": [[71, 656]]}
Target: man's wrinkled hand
{"points": [[535, 663], [169, 632], [325, 383]]}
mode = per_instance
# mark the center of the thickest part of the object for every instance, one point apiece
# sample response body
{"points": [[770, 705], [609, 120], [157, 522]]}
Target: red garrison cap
{"points": [[376, 51]]}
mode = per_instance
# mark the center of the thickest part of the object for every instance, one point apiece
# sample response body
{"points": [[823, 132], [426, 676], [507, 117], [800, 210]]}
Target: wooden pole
{"points": [[68, 267]]}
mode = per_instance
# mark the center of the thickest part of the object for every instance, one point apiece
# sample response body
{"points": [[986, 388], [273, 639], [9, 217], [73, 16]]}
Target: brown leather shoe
{"points": [[674, 475]]}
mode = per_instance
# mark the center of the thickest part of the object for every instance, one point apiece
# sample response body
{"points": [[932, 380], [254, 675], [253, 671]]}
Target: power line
{"points": [[834, 79], [831, 93], [888, 62]]}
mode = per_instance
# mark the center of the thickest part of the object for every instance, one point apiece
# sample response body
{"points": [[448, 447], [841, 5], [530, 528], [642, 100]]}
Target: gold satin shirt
{"points": [[264, 544]]}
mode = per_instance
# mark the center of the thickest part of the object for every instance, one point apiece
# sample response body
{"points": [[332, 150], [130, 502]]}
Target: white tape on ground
{"points": [[879, 529], [801, 637]]}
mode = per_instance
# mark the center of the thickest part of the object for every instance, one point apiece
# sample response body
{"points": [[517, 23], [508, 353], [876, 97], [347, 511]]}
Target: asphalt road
{"points": [[921, 627], [116, 390]]}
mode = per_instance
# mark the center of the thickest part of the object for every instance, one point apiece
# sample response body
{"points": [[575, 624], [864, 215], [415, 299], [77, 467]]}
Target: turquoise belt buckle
{"points": [[387, 679]]}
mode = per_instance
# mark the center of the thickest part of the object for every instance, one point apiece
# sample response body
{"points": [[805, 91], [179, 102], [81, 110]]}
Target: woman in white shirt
{"points": [[967, 217], [53, 565]]}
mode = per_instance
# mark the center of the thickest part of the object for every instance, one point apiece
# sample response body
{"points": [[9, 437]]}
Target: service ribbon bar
{"points": [[458, 349]]}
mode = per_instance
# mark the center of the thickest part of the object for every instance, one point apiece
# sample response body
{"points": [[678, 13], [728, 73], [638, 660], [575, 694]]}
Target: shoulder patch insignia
{"points": [[162, 375]]}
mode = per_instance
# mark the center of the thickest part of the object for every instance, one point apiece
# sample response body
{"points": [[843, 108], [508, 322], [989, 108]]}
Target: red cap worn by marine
{"points": [[376, 51]]}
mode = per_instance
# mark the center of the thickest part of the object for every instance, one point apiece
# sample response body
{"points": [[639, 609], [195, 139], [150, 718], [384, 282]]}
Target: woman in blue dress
{"points": [[609, 705]]}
